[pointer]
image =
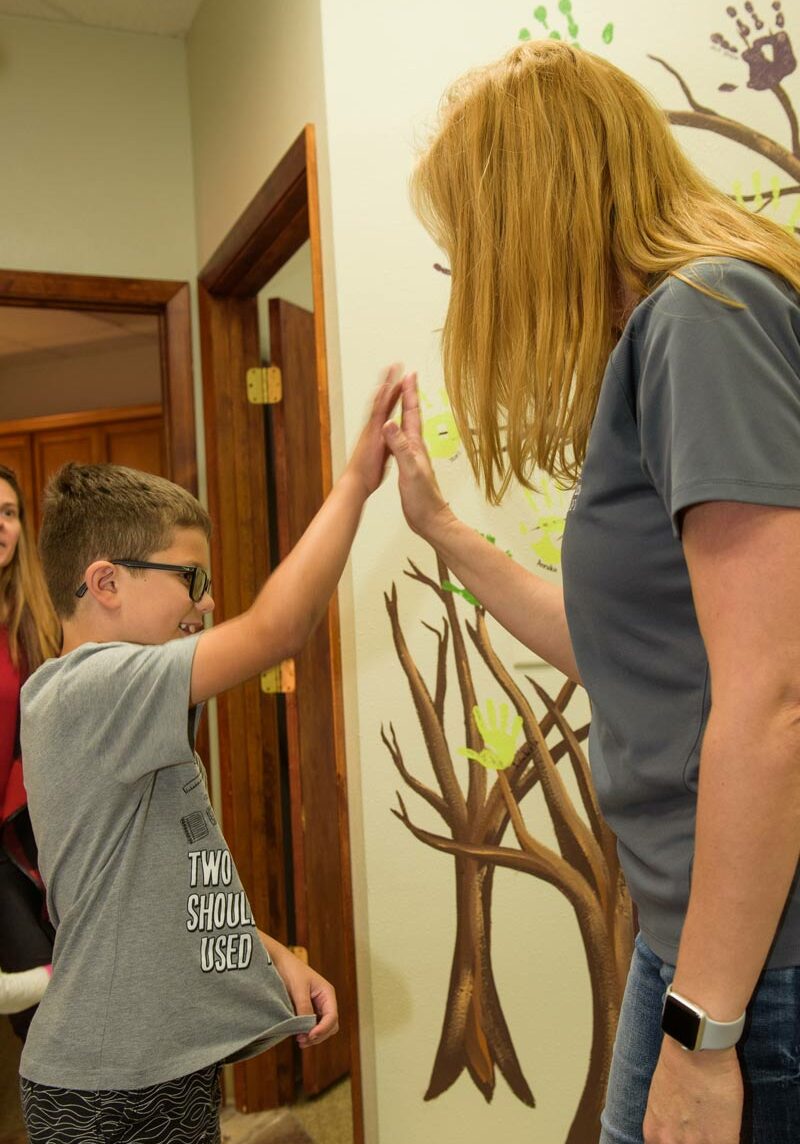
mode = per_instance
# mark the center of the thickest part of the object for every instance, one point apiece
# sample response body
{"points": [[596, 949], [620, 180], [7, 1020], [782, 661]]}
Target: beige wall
{"points": [[385, 70], [134, 155], [255, 79], [97, 161], [97, 174]]}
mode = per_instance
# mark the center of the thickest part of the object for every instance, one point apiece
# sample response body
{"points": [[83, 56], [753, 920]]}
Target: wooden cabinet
{"points": [[37, 446]]}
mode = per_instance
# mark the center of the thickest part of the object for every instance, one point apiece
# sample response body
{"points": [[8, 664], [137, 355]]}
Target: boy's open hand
{"points": [[420, 495], [368, 459], [308, 990]]}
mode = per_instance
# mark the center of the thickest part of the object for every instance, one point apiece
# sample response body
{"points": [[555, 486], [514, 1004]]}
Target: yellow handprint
{"points": [[549, 524], [439, 429], [500, 741]]}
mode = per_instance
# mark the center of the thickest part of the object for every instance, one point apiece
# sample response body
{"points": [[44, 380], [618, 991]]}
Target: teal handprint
{"points": [[500, 740]]}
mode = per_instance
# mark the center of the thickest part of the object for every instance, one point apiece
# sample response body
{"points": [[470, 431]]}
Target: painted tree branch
{"points": [[705, 119], [418, 787], [441, 668], [695, 106], [580, 768], [475, 1035], [786, 104], [575, 840], [432, 728]]}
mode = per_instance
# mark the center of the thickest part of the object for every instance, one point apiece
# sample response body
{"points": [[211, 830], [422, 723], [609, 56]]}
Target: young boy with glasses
{"points": [[158, 971]]}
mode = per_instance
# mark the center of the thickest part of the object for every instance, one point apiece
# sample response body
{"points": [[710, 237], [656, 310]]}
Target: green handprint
{"points": [[449, 586], [500, 741], [565, 9]]}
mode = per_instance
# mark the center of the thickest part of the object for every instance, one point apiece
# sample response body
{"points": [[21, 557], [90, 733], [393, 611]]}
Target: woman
{"points": [[614, 315], [29, 633]]}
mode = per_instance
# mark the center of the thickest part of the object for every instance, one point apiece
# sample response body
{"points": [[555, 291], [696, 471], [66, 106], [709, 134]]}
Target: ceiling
{"points": [[28, 329], [156, 17]]}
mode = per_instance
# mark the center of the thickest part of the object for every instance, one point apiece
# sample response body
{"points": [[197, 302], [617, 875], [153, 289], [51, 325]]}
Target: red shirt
{"points": [[12, 794]]}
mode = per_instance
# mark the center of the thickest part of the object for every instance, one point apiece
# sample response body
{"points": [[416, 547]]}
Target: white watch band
{"points": [[710, 1034]]}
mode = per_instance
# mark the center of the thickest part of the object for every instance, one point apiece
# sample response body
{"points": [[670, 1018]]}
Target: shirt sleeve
{"points": [[148, 725], [719, 390]]}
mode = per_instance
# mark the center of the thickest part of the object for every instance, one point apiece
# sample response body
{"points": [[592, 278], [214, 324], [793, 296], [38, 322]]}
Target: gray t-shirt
{"points": [[157, 968], [700, 402]]}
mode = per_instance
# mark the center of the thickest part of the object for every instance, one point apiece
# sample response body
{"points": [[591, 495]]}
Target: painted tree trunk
{"points": [[474, 1035]]}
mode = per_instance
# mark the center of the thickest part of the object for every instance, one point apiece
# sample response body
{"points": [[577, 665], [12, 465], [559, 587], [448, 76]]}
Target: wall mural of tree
{"points": [[510, 754], [477, 800], [768, 59]]}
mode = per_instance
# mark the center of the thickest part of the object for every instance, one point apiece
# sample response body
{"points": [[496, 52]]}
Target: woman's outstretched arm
{"points": [[528, 606]]}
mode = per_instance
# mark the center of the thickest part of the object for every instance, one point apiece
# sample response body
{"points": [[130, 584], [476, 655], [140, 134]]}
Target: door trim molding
{"points": [[280, 218], [170, 301]]}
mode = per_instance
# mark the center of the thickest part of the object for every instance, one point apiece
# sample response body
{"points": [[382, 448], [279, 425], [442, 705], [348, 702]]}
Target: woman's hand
{"points": [[422, 500], [695, 1098], [368, 460]]}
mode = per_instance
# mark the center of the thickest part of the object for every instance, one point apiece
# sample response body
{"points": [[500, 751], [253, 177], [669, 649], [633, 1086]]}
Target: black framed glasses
{"points": [[197, 579]]}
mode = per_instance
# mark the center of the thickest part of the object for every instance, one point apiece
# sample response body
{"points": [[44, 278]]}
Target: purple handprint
{"points": [[770, 59]]}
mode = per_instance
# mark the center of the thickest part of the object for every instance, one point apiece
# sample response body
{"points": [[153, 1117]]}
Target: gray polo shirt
{"points": [[157, 968], [700, 402]]}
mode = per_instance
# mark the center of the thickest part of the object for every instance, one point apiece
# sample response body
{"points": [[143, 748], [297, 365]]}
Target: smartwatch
{"points": [[692, 1027]]}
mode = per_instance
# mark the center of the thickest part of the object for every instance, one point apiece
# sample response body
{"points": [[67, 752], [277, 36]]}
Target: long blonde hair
{"points": [[34, 633], [556, 189]]}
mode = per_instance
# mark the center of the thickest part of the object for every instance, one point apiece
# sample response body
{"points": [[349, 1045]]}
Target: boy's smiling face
{"points": [[156, 605]]}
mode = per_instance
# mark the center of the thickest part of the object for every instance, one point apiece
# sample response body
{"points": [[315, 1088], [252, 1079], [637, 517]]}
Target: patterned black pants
{"points": [[182, 1111]]}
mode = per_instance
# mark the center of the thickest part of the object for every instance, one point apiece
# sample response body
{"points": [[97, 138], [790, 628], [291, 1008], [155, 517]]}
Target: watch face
{"points": [[680, 1022]]}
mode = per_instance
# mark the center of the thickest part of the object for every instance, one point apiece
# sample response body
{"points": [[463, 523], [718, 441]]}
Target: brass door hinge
{"points": [[264, 385], [278, 680]]}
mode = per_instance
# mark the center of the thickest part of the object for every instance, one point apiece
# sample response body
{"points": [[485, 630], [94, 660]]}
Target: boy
{"points": [[158, 971]]}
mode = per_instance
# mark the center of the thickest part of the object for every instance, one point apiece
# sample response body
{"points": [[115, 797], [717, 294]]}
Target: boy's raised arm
{"points": [[296, 595]]}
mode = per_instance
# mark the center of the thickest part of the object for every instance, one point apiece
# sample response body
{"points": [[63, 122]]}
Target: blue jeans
{"points": [[769, 1053]]}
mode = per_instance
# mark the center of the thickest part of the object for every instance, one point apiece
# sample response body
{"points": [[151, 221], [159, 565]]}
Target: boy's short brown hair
{"points": [[107, 512]]}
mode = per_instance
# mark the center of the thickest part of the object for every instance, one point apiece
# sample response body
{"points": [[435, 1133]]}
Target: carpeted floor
{"points": [[325, 1119]]}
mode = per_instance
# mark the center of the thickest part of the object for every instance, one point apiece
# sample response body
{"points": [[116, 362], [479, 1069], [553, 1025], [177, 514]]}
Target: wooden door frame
{"points": [[281, 217], [169, 301]]}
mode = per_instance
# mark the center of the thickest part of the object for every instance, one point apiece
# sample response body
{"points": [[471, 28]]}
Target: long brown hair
{"points": [[34, 633], [556, 189]]}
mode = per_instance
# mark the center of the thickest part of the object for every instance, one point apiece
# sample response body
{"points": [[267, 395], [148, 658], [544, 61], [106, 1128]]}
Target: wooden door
{"points": [[137, 444], [282, 215], [314, 783], [53, 448], [36, 446]]}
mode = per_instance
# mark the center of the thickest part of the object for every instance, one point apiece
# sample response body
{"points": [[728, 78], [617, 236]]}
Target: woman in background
{"points": [[617, 321], [29, 634]]}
